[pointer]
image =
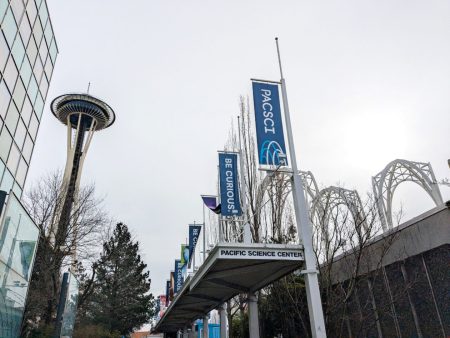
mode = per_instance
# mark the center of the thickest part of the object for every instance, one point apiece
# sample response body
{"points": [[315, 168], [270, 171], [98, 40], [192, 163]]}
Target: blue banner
{"points": [[269, 125], [194, 233], [178, 276], [229, 185]]}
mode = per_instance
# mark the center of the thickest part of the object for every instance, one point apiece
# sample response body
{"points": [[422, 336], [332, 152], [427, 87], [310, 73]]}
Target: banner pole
{"points": [[304, 227], [204, 235]]}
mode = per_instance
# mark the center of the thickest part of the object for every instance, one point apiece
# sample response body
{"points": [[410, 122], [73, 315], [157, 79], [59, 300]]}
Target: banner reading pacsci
{"points": [[269, 125], [229, 185], [178, 276]]}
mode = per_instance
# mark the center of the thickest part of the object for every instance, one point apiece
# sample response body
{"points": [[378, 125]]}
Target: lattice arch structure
{"points": [[330, 198], [396, 172]]}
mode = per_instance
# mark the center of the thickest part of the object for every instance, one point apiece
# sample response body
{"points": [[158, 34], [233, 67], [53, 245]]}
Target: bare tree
{"points": [[85, 228]]}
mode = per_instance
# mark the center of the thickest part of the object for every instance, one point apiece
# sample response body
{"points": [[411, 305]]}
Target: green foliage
{"points": [[121, 300], [94, 331]]}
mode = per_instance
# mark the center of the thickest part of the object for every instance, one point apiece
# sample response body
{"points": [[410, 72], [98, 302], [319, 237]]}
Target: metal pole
{"points": [[204, 235], [205, 327], [253, 319], [223, 320], [304, 227]]}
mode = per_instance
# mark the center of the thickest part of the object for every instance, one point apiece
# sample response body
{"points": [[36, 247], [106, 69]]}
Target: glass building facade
{"points": [[28, 53], [18, 244]]}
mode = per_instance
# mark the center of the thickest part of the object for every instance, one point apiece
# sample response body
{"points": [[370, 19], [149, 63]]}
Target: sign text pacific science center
{"points": [[261, 254]]}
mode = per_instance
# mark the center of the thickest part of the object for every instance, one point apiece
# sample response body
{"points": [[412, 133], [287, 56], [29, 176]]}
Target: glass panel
{"points": [[18, 51], [13, 159], [37, 31], [27, 110], [38, 69], [43, 13], [18, 9], [27, 149], [48, 68], [70, 309], [4, 52], [3, 7], [9, 27], [53, 51], [43, 51], [5, 97], [17, 190], [21, 172], [11, 73], [39, 106], [25, 30], [32, 50], [2, 166], [18, 244], [31, 11], [25, 71], [48, 33], [7, 182], [5, 144], [19, 94], [33, 127], [21, 133], [38, 3], [11, 118], [32, 89]]}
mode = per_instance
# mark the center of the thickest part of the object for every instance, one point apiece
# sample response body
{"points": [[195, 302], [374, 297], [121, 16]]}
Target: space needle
{"points": [[83, 115]]}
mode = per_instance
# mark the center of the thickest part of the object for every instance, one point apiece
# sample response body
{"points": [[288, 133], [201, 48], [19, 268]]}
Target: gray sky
{"points": [[368, 82]]}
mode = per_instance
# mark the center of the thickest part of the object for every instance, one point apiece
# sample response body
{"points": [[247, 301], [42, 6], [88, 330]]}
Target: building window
{"points": [[3, 7], [18, 51], [11, 73], [5, 97], [26, 112], [37, 31], [13, 159], [53, 51], [27, 149], [39, 106], [31, 11], [7, 181], [17, 8], [33, 127], [21, 172], [25, 30], [32, 50], [9, 27], [11, 118], [38, 69], [5, 144], [4, 52], [25, 71], [19, 94], [21, 133], [32, 89]]}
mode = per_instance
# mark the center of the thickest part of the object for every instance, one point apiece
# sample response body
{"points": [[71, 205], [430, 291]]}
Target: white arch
{"points": [[329, 198], [396, 172]]}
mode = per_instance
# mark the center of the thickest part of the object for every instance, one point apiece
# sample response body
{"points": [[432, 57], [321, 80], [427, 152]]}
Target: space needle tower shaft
{"points": [[83, 115]]}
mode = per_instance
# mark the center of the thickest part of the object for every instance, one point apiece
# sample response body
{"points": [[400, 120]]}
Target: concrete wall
{"points": [[401, 292]]}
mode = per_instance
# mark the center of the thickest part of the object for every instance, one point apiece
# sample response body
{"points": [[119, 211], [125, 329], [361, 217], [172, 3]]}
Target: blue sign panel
{"points": [[194, 233], [269, 126], [229, 186], [178, 276]]}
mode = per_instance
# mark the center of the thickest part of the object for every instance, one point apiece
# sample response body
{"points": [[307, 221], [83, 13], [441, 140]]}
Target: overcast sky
{"points": [[368, 82]]}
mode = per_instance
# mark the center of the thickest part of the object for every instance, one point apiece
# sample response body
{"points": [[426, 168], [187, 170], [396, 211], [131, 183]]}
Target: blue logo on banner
{"points": [[229, 186], [178, 276], [194, 233], [269, 126]]}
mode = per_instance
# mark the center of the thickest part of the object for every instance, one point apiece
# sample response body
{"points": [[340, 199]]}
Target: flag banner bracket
{"points": [[265, 81]]}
